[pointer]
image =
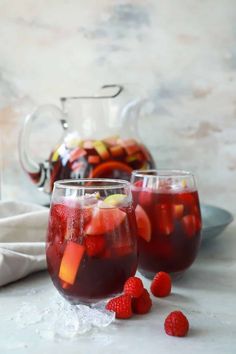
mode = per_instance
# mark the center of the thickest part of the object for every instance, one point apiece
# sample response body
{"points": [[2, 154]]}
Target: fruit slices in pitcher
{"points": [[111, 157], [91, 246]]}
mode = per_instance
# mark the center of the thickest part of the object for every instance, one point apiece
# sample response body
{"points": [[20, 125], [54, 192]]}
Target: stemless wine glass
{"points": [[168, 218], [91, 245]]}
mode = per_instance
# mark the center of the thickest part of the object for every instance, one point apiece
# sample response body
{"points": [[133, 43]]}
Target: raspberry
{"points": [[142, 304], [176, 324], [133, 287], [161, 285], [121, 305], [94, 244]]}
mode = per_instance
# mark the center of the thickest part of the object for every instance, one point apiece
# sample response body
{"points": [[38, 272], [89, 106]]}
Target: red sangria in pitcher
{"points": [[100, 139]]}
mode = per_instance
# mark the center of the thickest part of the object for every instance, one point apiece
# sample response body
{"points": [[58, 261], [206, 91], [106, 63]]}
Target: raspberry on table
{"points": [[176, 324], [161, 284], [121, 305], [133, 287], [142, 304]]}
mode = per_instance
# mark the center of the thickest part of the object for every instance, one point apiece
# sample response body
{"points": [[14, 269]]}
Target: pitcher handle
{"points": [[130, 114], [37, 170], [116, 90]]}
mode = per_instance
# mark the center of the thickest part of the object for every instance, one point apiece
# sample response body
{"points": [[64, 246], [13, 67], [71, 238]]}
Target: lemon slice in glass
{"points": [[115, 199]]}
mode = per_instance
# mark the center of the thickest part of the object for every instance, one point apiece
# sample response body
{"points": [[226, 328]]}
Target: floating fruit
{"points": [[71, 261], [164, 219], [178, 210], [101, 149], [106, 168], [93, 159], [59, 214], [115, 199], [190, 225], [130, 145], [138, 184], [76, 154], [136, 157], [55, 156], [188, 200], [117, 150], [88, 144], [105, 220], [145, 197], [94, 244], [143, 223], [111, 140]]}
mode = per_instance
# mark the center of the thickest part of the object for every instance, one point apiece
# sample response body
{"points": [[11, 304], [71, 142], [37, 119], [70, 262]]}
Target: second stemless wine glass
{"points": [[168, 218], [91, 242]]}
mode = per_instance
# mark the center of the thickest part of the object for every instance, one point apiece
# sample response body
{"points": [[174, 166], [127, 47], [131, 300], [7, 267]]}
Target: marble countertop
{"points": [[206, 294]]}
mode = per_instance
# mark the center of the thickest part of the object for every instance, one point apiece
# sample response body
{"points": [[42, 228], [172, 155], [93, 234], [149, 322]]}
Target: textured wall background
{"points": [[182, 51]]}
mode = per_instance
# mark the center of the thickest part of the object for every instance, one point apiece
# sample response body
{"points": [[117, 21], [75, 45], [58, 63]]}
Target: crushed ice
{"points": [[63, 320]]}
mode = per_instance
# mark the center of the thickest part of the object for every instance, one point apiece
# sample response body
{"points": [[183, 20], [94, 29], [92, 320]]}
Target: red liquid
{"points": [[175, 222], [108, 158], [86, 267]]}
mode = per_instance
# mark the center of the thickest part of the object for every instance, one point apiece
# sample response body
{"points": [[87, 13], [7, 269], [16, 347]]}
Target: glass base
{"points": [[150, 275], [73, 300]]}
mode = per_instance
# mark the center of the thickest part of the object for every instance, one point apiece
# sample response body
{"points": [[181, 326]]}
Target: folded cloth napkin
{"points": [[22, 239]]}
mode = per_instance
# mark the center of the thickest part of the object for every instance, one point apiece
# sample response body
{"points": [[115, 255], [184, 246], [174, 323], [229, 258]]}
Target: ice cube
{"points": [[61, 320], [74, 320], [27, 315]]}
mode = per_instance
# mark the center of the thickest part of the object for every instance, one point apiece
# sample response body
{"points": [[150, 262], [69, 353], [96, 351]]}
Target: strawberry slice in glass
{"points": [[95, 245], [104, 220], [164, 219], [189, 223]]}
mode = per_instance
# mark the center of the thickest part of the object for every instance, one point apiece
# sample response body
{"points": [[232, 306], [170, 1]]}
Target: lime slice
{"points": [[115, 199]]}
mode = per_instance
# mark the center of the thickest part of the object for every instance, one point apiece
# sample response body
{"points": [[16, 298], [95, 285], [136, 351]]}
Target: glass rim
{"points": [[163, 173], [76, 183]]}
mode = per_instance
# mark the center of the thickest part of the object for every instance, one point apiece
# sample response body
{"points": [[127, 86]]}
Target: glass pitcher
{"points": [[100, 139]]}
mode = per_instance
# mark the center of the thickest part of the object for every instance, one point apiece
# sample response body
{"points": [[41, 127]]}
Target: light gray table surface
{"points": [[206, 294]]}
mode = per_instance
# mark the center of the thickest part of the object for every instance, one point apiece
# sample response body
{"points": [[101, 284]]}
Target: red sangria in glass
{"points": [[168, 218], [91, 245]]}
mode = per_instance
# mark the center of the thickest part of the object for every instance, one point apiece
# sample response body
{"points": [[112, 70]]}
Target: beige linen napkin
{"points": [[22, 239]]}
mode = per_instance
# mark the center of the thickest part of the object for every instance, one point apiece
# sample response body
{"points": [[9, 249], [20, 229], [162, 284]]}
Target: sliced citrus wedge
{"points": [[143, 223], [70, 262], [101, 149], [105, 220], [115, 199], [105, 168]]}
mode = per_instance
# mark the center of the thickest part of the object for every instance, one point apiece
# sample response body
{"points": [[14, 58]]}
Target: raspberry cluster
{"points": [[136, 300]]}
